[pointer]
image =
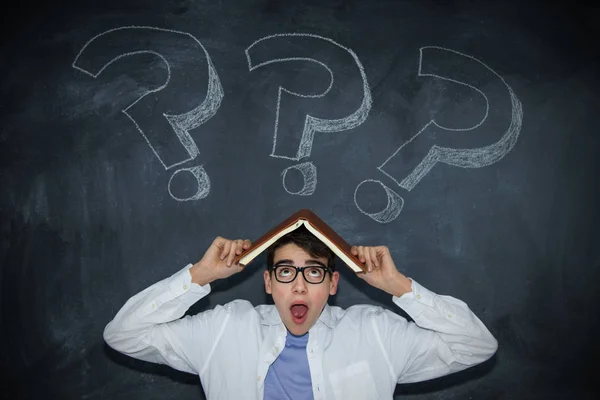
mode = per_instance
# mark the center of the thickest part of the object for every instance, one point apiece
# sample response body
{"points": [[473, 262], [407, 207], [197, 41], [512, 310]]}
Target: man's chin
{"points": [[298, 331], [298, 328]]}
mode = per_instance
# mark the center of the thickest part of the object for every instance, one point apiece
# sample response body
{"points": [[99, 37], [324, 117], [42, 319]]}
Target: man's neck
{"points": [[298, 336]]}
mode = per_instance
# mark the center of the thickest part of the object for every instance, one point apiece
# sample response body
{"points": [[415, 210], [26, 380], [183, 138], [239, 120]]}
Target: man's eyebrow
{"points": [[315, 262], [308, 262], [285, 262]]}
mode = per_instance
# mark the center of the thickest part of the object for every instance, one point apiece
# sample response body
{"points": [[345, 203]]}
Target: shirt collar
{"points": [[326, 316], [272, 317]]}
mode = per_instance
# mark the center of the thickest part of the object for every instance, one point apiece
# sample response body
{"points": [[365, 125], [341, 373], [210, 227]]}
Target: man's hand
{"points": [[218, 261], [381, 270]]}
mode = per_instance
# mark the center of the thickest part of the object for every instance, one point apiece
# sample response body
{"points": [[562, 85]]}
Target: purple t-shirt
{"points": [[289, 375]]}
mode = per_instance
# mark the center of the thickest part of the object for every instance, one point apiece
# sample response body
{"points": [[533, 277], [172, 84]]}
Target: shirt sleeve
{"points": [[446, 336], [149, 326]]}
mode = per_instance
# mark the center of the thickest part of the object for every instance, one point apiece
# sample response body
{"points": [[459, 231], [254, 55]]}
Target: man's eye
{"points": [[315, 272], [285, 271]]}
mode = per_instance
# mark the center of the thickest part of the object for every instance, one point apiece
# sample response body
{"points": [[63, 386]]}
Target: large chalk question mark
{"points": [[295, 129], [173, 48], [446, 64]]}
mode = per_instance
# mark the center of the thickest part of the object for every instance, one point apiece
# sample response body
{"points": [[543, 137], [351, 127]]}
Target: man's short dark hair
{"points": [[308, 242]]}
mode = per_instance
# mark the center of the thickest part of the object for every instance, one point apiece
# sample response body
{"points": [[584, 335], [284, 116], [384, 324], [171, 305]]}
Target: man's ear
{"points": [[333, 285], [267, 277]]}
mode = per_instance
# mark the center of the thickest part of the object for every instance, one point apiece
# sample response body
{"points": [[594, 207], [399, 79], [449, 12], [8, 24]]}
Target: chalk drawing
{"points": [[309, 173], [466, 157], [460, 157], [311, 124], [203, 183], [106, 48], [392, 209]]}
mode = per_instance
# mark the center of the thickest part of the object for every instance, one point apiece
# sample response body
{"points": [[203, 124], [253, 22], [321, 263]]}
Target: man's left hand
{"points": [[381, 270]]}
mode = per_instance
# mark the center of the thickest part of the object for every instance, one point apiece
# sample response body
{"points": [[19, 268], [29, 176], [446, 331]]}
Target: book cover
{"points": [[316, 226]]}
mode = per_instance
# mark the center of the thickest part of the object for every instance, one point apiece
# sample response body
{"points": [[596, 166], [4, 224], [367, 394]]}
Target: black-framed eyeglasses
{"points": [[312, 274]]}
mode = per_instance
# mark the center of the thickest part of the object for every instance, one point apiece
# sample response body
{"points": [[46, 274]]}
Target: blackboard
{"points": [[462, 134]]}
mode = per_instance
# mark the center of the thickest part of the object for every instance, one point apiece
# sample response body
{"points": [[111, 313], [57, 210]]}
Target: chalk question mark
{"points": [[407, 166], [294, 127], [166, 132]]}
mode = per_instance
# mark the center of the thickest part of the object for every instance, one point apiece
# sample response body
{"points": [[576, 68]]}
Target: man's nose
{"points": [[299, 285]]}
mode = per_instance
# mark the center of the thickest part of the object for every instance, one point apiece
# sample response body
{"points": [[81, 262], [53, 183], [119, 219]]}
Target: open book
{"points": [[314, 225]]}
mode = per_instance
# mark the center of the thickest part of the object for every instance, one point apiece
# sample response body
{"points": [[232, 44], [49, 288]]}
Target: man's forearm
{"points": [[164, 301], [200, 275], [400, 285]]}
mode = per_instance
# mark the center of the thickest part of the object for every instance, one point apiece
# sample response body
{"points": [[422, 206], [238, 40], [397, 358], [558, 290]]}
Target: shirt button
{"points": [[418, 296], [258, 378], [275, 349], [153, 305], [449, 315], [184, 287]]}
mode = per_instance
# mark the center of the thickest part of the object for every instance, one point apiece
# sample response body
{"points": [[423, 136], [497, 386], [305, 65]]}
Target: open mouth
{"points": [[299, 313]]}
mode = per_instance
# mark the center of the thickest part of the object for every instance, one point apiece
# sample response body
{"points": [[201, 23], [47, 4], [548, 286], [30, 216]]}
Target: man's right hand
{"points": [[218, 261]]}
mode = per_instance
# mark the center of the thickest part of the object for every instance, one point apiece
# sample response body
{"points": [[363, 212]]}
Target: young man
{"points": [[300, 348]]}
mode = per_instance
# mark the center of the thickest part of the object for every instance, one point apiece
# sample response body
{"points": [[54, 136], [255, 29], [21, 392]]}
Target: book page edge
{"points": [[333, 247], [245, 260]]}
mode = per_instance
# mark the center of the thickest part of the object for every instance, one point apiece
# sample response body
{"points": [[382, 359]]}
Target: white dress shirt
{"points": [[357, 353]]}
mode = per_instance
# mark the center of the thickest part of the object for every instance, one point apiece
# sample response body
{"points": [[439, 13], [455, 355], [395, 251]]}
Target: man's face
{"points": [[299, 303]]}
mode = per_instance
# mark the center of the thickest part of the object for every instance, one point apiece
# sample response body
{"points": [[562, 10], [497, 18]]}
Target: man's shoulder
{"points": [[359, 317], [241, 307], [356, 312]]}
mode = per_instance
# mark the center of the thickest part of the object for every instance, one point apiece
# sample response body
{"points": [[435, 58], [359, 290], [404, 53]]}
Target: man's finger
{"points": [[361, 254], [374, 259], [225, 250], [240, 247], [367, 254], [231, 254]]}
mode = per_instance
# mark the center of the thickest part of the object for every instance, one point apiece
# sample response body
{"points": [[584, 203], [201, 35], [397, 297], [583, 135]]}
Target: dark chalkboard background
{"points": [[93, 211]]}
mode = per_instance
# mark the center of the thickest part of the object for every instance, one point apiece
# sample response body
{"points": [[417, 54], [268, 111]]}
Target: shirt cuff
{"points": [[427, 308], [181, 284], [419, 295]]}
